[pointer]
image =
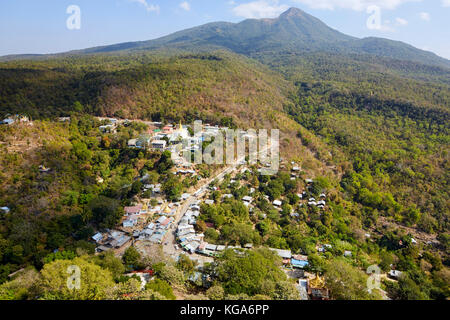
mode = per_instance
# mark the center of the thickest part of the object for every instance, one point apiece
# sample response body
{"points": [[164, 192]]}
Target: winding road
{"points": [[169, 241]]}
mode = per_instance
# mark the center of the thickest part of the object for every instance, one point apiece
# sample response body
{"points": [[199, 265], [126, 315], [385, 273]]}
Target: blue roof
{"points": [[299, 263]]}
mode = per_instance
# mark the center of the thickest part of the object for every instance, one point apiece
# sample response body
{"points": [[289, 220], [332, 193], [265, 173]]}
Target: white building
{"points": [[159, 144]]}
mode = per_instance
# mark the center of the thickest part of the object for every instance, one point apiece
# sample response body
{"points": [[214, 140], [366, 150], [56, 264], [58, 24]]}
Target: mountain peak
{"points": [[293, 12], [294, 31]]}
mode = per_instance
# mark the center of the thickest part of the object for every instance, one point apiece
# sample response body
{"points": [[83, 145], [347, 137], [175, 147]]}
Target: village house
{"points": [[284, 254], [135, 210], [168, 129], [117, 239], [132, 143], [157, 237], [5, 209], [299, 263], [7, 121], [133, 219], [155, 188], [130, 222], [160, 220], [97, 237], [146, 234], [211, 129], [210, 247], [159, 145], [185, 196], [394, 274], [107, 128], [143, 142], [277, 203]]}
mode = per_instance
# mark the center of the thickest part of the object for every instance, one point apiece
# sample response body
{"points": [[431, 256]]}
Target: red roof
{"points": [[165, 222], [135, 209], [150, 272], [300, 257]]}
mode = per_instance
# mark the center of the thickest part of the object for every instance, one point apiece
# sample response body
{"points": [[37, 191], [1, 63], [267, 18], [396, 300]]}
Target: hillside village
{"points": [[186, 225], [179, 225], [154, 219]]}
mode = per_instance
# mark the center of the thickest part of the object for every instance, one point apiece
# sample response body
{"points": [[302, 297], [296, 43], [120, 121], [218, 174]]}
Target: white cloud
{"points": [[446, 3], [358, 5], [385, 27], [260, 9], [149, 7], [185, 6], [425, 16], [401, 22]]}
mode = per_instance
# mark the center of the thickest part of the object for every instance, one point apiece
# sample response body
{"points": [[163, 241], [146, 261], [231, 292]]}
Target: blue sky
{"points": [[30, 26]]}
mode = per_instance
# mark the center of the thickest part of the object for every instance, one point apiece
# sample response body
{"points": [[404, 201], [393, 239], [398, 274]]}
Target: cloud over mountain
{"points": [[260, 9], [358, 5]]}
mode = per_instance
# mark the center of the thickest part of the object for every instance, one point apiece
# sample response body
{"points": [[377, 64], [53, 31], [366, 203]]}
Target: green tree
{"points": [[211, 234], [162, 287], [286, 290], [185, 264], [59, 255], [131, 257], [216, 292], [346, 282], [107, 260], [245, 273], [94, 281], [172, 188], [172, 275], [106, 212]]}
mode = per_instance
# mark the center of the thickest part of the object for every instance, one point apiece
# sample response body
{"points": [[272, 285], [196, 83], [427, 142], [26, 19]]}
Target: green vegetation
{"points": [[54, 214], [161, 287], [250, 273]]}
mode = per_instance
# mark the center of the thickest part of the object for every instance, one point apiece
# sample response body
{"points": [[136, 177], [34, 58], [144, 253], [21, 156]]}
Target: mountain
{"points": [[293, 32], [294, 29]]}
